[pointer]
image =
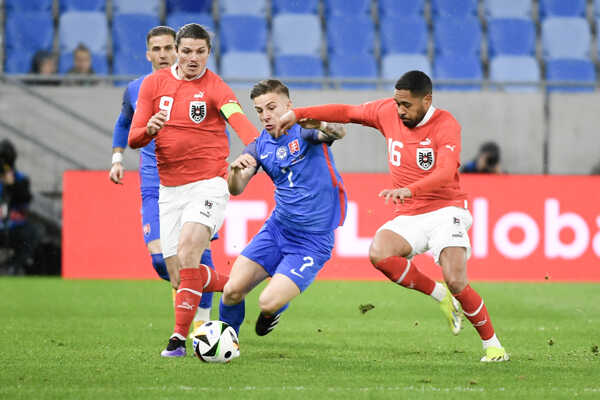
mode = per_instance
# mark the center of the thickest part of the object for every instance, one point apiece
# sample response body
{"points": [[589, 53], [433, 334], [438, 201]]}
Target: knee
{"points": [[232, 296], [268, 304], [456, 283]]}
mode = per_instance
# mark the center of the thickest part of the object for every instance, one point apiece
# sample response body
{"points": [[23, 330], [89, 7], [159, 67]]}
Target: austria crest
{"points": [[197, 111], [425, 159]]}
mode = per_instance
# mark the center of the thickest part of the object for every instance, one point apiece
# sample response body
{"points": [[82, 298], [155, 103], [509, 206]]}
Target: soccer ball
{"points": [[215, 341]]}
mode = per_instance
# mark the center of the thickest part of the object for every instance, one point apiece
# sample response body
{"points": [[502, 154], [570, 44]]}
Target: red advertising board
{"points": [[529, 228]]}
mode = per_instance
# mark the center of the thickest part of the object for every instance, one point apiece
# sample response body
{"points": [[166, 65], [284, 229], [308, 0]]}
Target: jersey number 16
{"points": [[394, 147]]}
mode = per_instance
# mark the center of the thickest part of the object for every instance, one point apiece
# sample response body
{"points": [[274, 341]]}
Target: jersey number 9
{"points": [[165, 104]]}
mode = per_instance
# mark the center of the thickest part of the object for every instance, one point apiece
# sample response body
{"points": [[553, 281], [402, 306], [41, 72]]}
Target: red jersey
{"points": [[414, 155], [192, 145]]}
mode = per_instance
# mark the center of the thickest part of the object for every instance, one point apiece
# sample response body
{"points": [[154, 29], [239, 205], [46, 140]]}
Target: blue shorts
{"points": [[295, 254], [150, 219]]}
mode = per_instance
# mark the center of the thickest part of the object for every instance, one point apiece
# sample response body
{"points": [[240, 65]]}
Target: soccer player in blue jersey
{"points": [[297, 239], [160, 42]]}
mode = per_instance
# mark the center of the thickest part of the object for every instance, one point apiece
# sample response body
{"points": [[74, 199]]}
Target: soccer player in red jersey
{"points": [[184, 108], [431, 209]]}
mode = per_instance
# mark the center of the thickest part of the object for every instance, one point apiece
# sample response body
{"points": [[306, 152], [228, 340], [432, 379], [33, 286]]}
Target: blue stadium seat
{"points": [[403, 34], [457, 36], [151, 7], [347, 7], [391, 8], [129, 35], [29, 31], [299, 66], [517, 69], [353, 66], [193, 6], [295, 6], [18, 62], [394, 65], [511, 36], [87, 27], [82, 5], [453, 8], [245, 65], [350, 35], [131, 63], [99, 63], [570, 70], [179, 19], [507, 8], [246, 7], [562, 8], [28, 6], [566, 37], [467, 67], [297, 34], [597, 9], [243, 33]]}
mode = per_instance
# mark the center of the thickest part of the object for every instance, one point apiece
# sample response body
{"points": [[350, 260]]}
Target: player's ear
{"points": [[148, 55], [427, 100]]}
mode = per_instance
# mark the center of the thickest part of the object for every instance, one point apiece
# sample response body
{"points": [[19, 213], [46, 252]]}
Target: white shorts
{"points": [[435, 230], [202, 202]]}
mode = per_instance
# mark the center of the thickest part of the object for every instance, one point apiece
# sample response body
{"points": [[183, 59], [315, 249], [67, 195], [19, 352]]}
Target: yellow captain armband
{"points": [[231, 108]]}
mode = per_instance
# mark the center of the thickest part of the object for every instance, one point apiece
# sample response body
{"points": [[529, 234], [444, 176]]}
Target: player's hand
{"points": [[242, 162], [308, 123], [397, 195], [116, 173], [156, 122], [286, 121]]}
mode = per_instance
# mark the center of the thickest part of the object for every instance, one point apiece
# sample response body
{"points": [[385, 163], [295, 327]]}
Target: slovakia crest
{"points": [[281, 152], [197, 111], [425, 158], [294, 146]]}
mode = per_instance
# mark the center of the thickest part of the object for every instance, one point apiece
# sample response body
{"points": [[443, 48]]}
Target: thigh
{"points": [[170, 220], [411, 229], [245, 275], [280, 291], [265, 249], [449, 229], [150, 215], [205, 203]]}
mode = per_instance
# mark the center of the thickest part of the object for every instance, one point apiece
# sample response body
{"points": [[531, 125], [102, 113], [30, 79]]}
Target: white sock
{"points": [[491, 342], [178, 336], [439, 292], [202, 314]]}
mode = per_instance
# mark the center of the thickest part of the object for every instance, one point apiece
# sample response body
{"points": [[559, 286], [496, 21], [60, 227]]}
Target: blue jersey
{"points": [[148, 171], [309, 191]]}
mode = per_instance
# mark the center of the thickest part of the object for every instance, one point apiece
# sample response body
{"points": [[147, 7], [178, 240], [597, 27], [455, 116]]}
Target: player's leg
{"points": [[204, 307], [272, 302]]}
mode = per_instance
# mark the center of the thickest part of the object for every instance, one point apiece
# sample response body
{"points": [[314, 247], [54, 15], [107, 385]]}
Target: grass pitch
{"points": [[101, 339]]}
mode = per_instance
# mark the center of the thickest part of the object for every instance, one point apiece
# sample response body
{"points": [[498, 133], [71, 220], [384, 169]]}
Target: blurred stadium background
{"points": [[522, 73]]}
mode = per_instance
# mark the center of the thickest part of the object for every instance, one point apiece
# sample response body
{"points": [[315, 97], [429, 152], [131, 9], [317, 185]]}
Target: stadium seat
{"points": [[458, 68], [179, 19], [87, 27], [193, 6], [151, 7], [30, 31], [394, 65], [82, 5], [299, 66], [297, 34], [131, 63], [507, 8], [246, 7], [457, 36], [99, 63], [562, 8], [28, 6], [390, 8], [244, 65], [453, 8], [517, 69], [295, 7], [129, 35], [570, 70], [347, 7], [597, 9], [18, 61], [566, 37], [511, 36], [350, 35], [353, 66], [243, 33], [403, 35]]}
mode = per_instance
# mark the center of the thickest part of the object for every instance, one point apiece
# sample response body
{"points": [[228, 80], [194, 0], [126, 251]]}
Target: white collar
{"points": [[427, 116], [174, 72]]}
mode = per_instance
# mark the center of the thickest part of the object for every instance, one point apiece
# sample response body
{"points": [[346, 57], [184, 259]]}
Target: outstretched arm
{"points": [[326, 132], [242, 170]]}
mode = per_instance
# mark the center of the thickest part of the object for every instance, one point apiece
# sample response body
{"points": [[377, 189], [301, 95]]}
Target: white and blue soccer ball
{"points": [[216, 342]]}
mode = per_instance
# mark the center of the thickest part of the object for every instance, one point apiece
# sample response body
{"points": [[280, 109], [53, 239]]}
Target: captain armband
{"points": [[231, 108]]}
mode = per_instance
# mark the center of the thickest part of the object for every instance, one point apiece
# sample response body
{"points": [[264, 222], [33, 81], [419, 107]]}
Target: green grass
{"points": [[101, 339]]}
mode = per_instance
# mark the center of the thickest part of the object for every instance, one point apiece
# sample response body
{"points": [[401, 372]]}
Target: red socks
{"points": [[406, 273], [476, 312], [187, 298], [215, 282]]}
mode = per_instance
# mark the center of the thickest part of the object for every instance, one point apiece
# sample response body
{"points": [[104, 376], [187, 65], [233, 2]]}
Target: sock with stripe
{"points": [[215, 281], [405, 273], [476, 312], [187, 298]]}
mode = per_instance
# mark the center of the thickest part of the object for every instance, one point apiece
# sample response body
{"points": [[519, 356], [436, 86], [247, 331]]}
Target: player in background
{"points": [[431, 212], [160, 43], [310, 203], [184, 109]]}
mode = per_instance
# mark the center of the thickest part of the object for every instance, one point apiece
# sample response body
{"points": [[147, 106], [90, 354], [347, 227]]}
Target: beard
{"points": [[411, 123]]}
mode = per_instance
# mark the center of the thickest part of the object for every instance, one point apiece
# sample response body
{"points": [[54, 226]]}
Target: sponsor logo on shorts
{"points": [[206, 214], [208, 204], [456, 221], [457, 235]]}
